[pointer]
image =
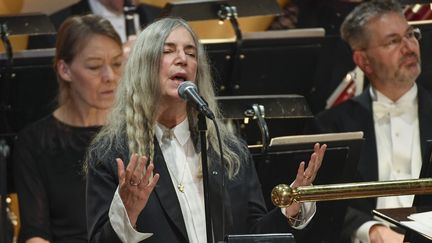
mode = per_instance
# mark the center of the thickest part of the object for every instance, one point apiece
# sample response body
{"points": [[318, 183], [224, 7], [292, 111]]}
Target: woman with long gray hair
{"points": [[144, 170]]}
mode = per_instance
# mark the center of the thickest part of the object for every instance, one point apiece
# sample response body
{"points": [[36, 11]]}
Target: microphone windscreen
{"points": [[185, 86]]}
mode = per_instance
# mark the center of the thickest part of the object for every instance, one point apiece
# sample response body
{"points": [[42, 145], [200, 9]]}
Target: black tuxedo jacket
{"points": [[147, 13], [356, 115], [245, 210]]}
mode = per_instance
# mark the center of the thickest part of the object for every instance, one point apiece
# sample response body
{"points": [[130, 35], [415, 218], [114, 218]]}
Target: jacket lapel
{"points": [[166, 193], [425, 127], [425, 121], [368, 165]]}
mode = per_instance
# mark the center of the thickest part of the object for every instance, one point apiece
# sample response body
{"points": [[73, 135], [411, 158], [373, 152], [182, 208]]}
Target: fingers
{"points": [[137, 175], [138, 184], [134, 170], [320, 156], [300, 175], [310, 171], [138, 171], [307, 176], [314, 163], [131, 168], [148, 180], [120, 170], [300, 170], [320, 151]]}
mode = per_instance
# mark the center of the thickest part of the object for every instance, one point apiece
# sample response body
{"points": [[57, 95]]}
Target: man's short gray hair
{"points": [[353, 28]]}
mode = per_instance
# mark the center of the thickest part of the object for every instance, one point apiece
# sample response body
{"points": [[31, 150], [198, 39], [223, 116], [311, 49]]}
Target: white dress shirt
{"points": [[398, 148], [117, 20], [184, 166]]}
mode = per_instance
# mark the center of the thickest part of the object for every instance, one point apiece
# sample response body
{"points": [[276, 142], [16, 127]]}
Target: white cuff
{"points": [[121, 224], [308, 210]]}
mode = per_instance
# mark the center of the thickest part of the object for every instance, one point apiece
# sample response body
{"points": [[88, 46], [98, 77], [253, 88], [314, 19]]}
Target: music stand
{"points": [[262, 108], [290, 70], [27, 24], [400, 218], [281, 162], [22, 24], [225, 10], [193, 10], [30, 24]]}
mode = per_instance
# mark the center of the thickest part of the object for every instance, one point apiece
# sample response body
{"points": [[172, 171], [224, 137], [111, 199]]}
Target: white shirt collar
{"points": [[180, 132], [99, 9], [409, 97]]}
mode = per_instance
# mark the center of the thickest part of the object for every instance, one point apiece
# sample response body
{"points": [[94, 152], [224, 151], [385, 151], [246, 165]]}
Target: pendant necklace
{"points": [[180, 186], [179, 183]]}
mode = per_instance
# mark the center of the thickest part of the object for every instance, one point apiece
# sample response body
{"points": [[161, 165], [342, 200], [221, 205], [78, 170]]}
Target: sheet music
{"points": [[283, 34], [424, 218], [325, 137], [422, 223]]}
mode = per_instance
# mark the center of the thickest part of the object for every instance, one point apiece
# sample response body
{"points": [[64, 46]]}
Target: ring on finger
{"points": [[133, 183]]}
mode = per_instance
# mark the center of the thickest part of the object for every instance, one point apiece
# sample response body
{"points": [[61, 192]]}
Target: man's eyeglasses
{"points": [[395, 41]]}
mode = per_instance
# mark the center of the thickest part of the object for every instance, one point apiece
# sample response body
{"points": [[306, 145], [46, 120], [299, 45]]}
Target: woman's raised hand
{"points": [[305, 177], [136, 184]]}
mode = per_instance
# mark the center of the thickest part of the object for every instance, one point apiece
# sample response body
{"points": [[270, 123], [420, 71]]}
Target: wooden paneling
{"points": [[211, 29], [13, 7]]}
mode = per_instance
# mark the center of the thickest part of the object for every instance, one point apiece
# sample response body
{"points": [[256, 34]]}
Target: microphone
{"points": [[189, 92]]}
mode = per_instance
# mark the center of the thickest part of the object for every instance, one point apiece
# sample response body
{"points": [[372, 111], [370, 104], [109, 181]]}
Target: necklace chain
{"points": [[180, 185], [167, 139]]}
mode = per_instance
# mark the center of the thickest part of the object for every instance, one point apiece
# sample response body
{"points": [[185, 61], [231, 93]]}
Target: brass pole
{"points": [[282, 195]]}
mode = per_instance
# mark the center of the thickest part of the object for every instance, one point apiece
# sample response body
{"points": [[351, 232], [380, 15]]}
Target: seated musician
{"points": [[49, 154], [393, 112]]}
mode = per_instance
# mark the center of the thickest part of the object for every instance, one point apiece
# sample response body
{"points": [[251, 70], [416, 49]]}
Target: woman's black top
{"points": [[48, 171]]}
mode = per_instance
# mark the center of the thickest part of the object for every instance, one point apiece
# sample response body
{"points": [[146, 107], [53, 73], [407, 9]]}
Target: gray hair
{"points": [[135, 109], [353, 29]]}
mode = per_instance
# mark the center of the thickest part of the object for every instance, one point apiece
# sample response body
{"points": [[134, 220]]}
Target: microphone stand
{"points": [[228, 12], [202, 129]]}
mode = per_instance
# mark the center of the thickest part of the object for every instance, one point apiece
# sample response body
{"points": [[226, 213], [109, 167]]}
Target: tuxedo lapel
{"points": [[166, 193], [425, 127], [368, 165]]}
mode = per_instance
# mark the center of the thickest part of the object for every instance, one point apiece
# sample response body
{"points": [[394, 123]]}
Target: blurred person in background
{"points": [[49, 153], [394, 113]]}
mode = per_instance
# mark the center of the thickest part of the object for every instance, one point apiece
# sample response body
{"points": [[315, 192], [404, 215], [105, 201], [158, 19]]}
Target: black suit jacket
{"points": [[356, 115], [245, 210], [147, 13]]}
